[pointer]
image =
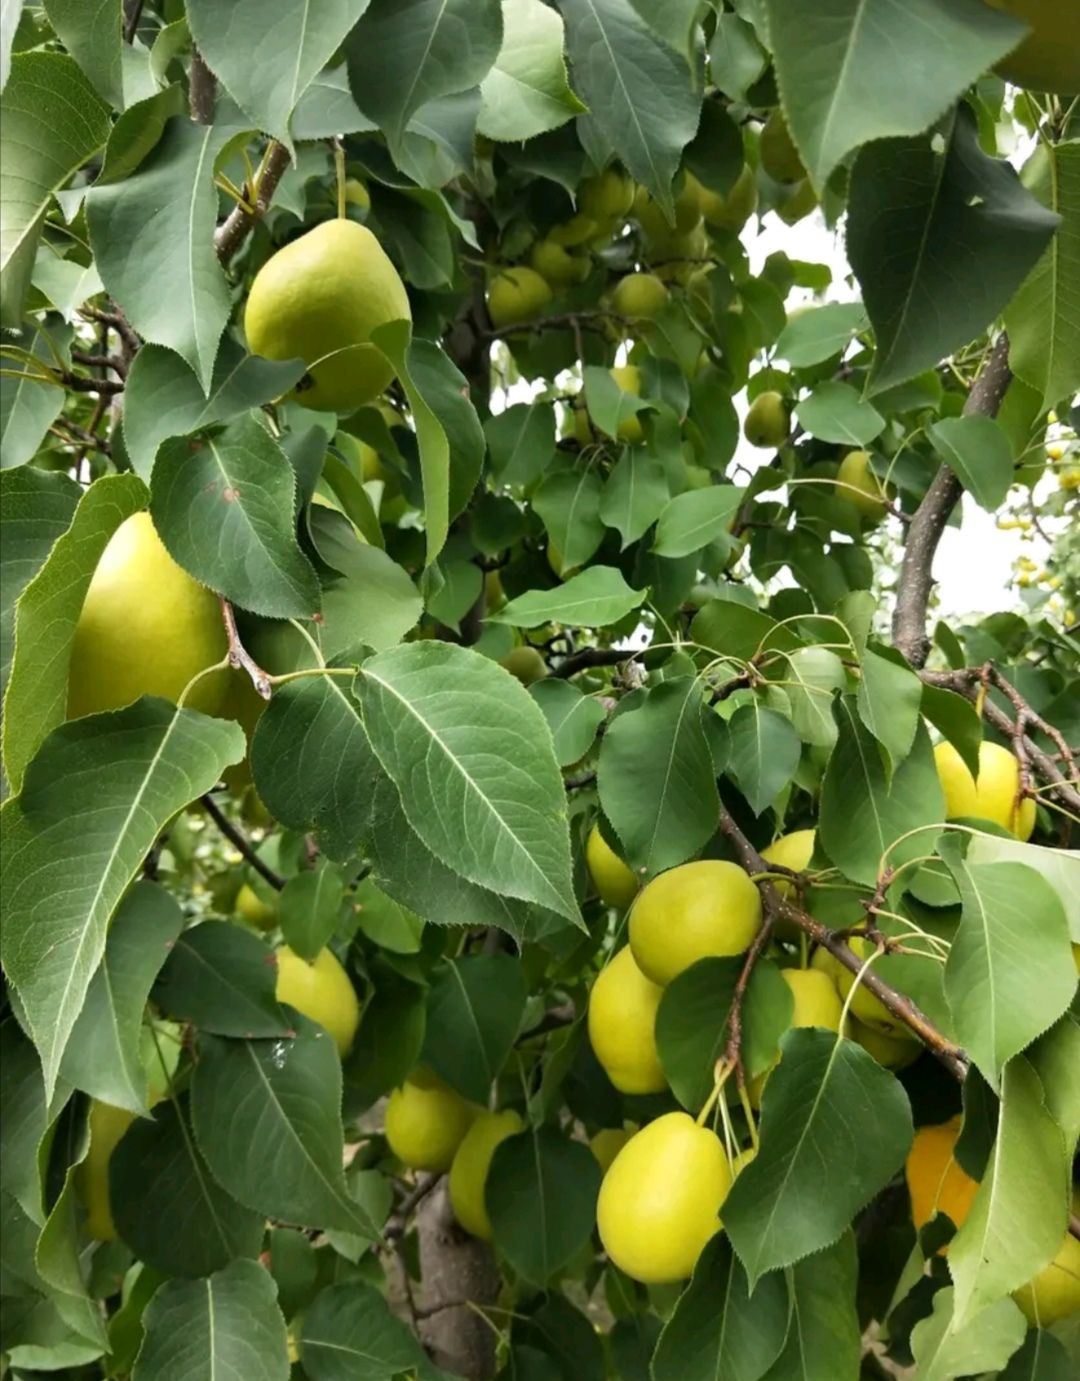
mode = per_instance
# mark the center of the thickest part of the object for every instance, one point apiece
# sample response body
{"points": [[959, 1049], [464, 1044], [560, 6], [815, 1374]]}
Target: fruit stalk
{"points": [[779, 908]]}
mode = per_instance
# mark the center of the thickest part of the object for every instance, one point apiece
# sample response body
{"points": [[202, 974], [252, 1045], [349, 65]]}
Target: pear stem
{"points": [[339, 170]]}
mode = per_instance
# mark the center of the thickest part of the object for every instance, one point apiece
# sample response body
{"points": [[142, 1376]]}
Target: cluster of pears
{"points": [[429, 1126], [938, 1184]]}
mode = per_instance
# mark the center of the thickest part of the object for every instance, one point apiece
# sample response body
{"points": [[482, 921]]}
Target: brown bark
{"points": [[454, 1268]]}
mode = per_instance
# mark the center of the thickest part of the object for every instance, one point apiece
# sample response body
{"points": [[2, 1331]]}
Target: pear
{"points": [[251, 908], [768, 421], [613, 880], [622, 1021], [858, 485], [628, 378], [426, 1122], [319, 299], [691, 912], [993, 796], [517, 295], [639, 295], [321, 990], [525, 663], [472, 1161]]}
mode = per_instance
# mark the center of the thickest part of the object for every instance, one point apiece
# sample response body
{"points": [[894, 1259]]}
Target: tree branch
{"points": [[779, 908], [239, 657], [234, 229], [928, 523], [202, 89], [590, 657], [239, 842]]}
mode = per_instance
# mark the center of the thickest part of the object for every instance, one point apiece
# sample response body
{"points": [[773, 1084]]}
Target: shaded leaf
{"points": [[692, 520], [823, 1337], [592, 599], [474, 1009], [889, 700], [634, 494], [573, 718], [978, 450], [28, 408], [836, 412], [819, 333], [221, 978], [763, 753], [943, 1351], [309, 906], [349, 1334]]}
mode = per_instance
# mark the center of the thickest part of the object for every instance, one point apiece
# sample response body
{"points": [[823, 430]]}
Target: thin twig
{"points": [[239, 657], [591, 657], [132, 14], [733, 1049], [237, 840], [119, 323], [92, 361]]}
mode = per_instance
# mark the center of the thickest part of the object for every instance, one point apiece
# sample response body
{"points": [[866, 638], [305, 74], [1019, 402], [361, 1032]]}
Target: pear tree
{"points": [[520, 859]]}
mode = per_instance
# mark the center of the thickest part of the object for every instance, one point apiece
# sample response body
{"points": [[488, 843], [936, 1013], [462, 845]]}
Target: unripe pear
{"points": [[578, 230], [733, 211], [891, 1052], [606, 197], [622, 1020], [677, 257], [426, 1122], [607, 1143], [768, 421], [146, 628], [319, 299], [614, 881], [777, 152], [526, 663], [639, 295], [517, 295], [1054, 1294], [994, 796], [1048, 59], [858, 485], [107, 1125], [691, 912], [557, 265], [357, 194], [472, 1161], [322, 990], [628, 377], [660, 1201], [251, 908]]}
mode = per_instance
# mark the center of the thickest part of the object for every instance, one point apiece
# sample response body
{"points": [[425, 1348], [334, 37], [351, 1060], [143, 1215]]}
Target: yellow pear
{"points": [[1055, 1292], [935, 1180], [691, 912], [628, 377], [469, 1171], [107, 1126], [517, 295], [318, 300], [615, 882], [731, 212], [557, 265], [622, 1021], [993, 796], [777, 151], [426, 1122], [891, 1052], [606, 197], [660, 1201], [816, 1003], [639, 295], [1049, 58], [793, 851], [526, 663], [146, 628], [607, 1143], [251, 908], [321, 990], [858, 485], [768, 420], [869, 1009]]}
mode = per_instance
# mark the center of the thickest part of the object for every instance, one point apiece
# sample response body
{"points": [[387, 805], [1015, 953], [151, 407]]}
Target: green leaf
{"points": [[473, 759], [138, 130], [267, 1118], [641, 95], [692, 1023], [609, 405], [57, 1255], [94, 799], [1059, 867], [634, 494], [224, 507], [163, 398], [376, 604], [390, 925], [568, 504], [943, 1351], [784, 1206], [864, 813], [36, 508], [167, 1208], [763, 753], [1056, 1059], [309, 906], [940, 237], [718, 1328], [92, 35], [389, 1039], [736, 57], [692, 520], [311, 762], [266, 67], [573, 718], [889, 700], [957, 719], [1042, 1358], [861, 70], [811, 675], [594, 598], [656, 778], [1020, 1211], [349, 1334], [51, 122], [27, 408], [541, 1196], [521, 442], [1043, 319], [525, 93], [65, 282], [164, 214], [823, 1337], [220, 978], [816, 335], [1008, 977], [475, 1006], [103, 1056], [402, 56], [739, 631], [446, 390], [49, 608], [836, 412], [978, 450], [227, 1325]]}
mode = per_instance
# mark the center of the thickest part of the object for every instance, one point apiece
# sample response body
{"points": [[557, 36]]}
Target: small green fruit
{"points": [[613, 880], [768, 422], [517, 295], [606, 197], [526, 663], [777, 151], [639, 295], [857, 484]]}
